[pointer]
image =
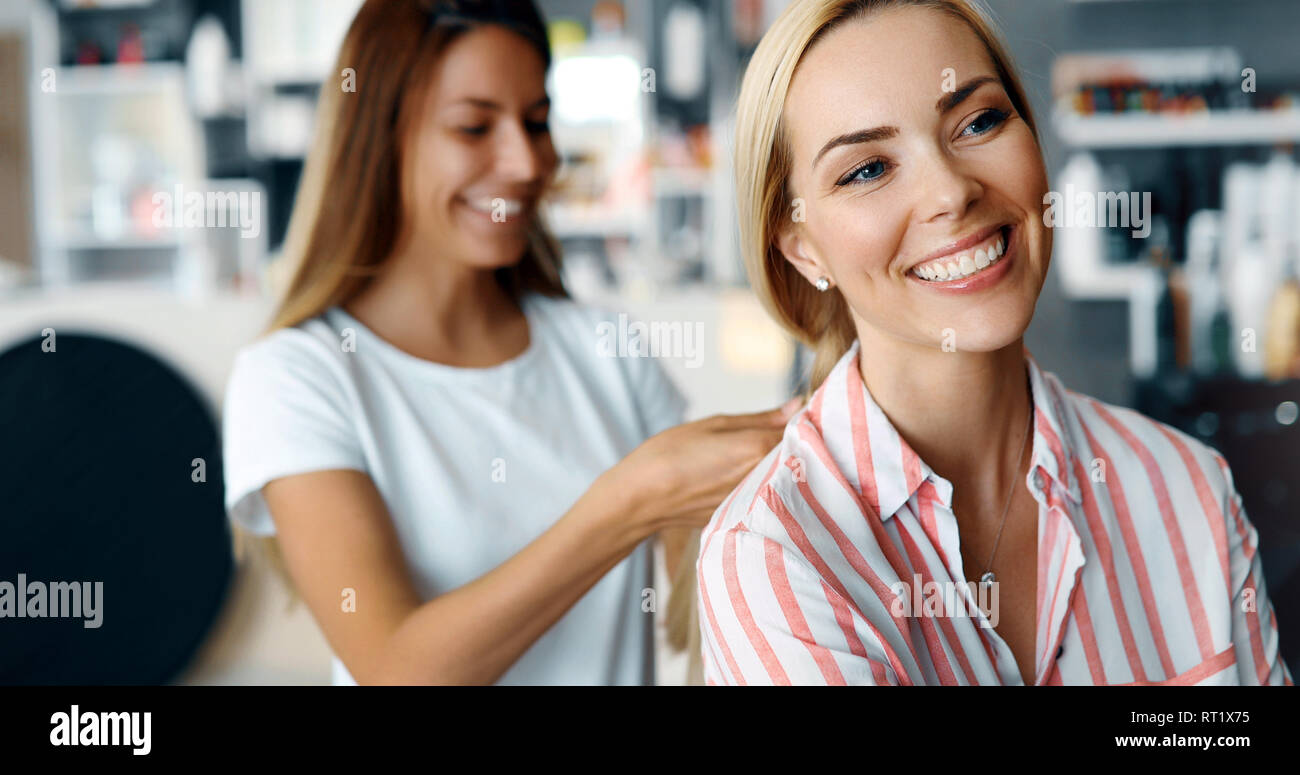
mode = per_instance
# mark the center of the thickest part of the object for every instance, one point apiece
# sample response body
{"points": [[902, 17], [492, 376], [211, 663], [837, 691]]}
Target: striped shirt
{"points": [[1148, 569]]}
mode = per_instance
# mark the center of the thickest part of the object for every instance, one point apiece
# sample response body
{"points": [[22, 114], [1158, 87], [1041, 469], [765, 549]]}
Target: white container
{"points": [[1254, 281]]}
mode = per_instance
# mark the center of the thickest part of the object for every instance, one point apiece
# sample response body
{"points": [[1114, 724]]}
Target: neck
{"points": [[424, 295], [965, 413]]}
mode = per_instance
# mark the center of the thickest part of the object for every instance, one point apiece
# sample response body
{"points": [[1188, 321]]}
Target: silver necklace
{"points": [[989, 577]]}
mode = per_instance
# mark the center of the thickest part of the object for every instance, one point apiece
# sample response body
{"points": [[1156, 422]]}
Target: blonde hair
{"points": [[348, 213], [819, 320]]}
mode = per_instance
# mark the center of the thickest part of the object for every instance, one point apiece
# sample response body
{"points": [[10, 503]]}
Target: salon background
{"points": [[108, 108]]}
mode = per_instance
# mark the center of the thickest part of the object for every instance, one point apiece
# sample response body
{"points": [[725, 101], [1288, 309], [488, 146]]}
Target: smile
{"points": [[969, 262], [499, 206]]}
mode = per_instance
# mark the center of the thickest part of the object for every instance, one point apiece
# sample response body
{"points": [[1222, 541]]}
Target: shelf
{"points": [[682, 182], [117, 79], [124, 243], [290, 77], [1236, 127], [77, 6], [569, 222]]}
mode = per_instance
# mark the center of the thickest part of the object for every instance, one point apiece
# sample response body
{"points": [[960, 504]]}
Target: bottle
{"points": [[1282, 339], [1251, 291], [1081, 252], [207, 58], [1204, 301]]}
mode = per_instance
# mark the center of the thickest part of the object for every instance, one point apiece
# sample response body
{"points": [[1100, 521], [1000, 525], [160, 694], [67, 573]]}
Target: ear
{"points": [[798, 250]]}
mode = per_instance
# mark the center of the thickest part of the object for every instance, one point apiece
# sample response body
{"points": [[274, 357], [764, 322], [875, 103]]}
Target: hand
{"points": [[679, 477]]}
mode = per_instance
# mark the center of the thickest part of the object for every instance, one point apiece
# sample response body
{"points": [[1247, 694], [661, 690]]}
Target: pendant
{"points": [[987, 578]]}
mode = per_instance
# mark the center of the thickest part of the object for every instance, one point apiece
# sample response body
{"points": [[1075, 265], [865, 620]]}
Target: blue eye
{"points": [[865, 174], [989, 119]]}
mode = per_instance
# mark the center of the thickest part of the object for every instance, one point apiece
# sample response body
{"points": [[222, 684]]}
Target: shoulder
{"points": [[310, 354], [597, 322], [575, 326], [564, 314], [609, 342], [312, 339], [790, 492], [1132, 441]]}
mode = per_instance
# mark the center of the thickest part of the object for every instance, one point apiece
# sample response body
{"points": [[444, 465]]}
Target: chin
{"points": [[977, 333], [495, 256]]}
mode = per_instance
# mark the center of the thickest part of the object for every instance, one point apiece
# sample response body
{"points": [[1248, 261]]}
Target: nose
{"points": [[948, 190], [521, 156]]}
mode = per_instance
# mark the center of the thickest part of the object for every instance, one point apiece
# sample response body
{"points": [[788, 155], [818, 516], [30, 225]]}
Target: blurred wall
{"points": [[1086, 343]]}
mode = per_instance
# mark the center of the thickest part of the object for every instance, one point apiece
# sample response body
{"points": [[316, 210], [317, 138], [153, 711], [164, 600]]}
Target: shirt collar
{"points": [[899, 472], [1054, 452]]}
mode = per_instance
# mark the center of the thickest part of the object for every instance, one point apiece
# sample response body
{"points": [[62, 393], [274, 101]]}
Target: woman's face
{"points": [[480, 154], [912, 164]]}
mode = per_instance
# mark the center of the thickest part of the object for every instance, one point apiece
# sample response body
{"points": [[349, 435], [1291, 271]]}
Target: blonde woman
{"points": [[456, 483], [943, 511]]}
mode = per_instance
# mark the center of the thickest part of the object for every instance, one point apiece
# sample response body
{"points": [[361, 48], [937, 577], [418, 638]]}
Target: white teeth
{"points": [[962, 266], [507, 207]]}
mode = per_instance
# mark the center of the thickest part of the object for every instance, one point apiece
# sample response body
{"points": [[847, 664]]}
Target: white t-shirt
{"points": [[473, 464]]}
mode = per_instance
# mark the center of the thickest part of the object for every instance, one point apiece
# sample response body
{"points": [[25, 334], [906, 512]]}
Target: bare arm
{"points": [[472, 634], [335, 533]]}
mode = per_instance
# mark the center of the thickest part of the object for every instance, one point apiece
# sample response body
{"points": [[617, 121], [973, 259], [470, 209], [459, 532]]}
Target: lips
{"points": [[965, 258]]}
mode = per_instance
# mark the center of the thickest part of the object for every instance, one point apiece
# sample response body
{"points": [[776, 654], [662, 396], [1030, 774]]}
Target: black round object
{"points": [[98, 484]]}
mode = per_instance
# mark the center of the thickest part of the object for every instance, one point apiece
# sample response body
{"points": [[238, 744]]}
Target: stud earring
{"points": [[822, 283]]}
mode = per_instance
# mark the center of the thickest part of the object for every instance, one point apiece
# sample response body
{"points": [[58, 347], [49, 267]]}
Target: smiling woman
{"points": [[458, 484], [890, 185]]}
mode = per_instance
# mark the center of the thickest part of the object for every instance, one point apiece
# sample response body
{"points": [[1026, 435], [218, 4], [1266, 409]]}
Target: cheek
{"points": [[549, 158], [1020, 170], [858, 236], [1032, 187], [445, 169]]}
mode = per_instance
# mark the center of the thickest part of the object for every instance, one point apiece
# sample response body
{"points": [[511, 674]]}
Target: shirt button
{"points": [[1038, 479], [1059, 651]]}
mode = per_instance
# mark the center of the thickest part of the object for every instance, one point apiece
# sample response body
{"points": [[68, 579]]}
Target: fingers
{"points": [[750, 446], [768, 440]]}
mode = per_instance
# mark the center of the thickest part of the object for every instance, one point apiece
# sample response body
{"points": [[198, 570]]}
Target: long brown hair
{"points": [[348, 214]]}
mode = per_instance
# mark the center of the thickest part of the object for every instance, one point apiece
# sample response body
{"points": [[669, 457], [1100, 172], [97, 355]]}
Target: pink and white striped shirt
{"points": [[1148, 569]]}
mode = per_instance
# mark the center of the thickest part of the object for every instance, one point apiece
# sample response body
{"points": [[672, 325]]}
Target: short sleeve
{"points": [[659, 401], [285, 412]]}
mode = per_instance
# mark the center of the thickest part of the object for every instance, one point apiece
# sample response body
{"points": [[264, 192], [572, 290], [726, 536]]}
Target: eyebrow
{"points": [[946, 103], [951, 100], [853, 138], [479, 102]]}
